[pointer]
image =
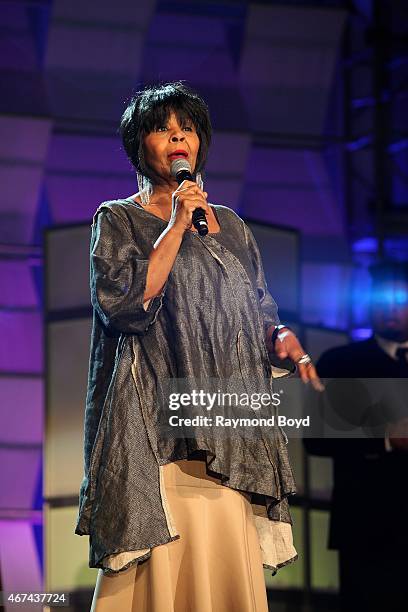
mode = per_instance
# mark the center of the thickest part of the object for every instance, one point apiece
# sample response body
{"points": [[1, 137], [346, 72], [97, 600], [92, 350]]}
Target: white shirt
{"points": [[389, 346]]}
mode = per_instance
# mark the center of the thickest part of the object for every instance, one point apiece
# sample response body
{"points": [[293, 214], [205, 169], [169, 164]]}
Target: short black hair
{"points": [[150, 108]]}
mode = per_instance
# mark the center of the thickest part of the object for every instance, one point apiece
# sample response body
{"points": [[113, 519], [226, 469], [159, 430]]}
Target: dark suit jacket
{"points": [[369, 506]]}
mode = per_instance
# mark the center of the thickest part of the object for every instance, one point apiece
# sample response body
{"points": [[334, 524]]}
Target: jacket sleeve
{"points": [[118, 272], [268, 304]]}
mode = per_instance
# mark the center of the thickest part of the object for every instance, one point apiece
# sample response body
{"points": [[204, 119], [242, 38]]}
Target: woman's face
{"points": [[162, 144]]}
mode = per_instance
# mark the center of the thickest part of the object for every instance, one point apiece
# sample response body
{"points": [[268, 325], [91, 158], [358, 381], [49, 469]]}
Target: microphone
{"points": [[181, 170]]}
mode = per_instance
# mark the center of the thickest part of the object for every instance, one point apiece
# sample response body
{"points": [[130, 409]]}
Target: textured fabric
{"points": [[209, 321], [215, 565]]}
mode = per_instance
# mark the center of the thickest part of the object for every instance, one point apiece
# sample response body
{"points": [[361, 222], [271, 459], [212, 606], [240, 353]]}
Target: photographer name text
{"points": [[220, 421]]}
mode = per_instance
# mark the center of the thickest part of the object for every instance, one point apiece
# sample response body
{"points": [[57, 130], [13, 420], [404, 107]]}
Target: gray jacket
{"points": [[208, 322]]}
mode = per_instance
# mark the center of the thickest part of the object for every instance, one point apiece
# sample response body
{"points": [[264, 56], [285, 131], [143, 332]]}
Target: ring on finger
{"points": [[305, 359]]}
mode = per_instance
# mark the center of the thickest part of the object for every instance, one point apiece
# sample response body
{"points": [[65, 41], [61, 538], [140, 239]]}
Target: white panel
{"points": [[96, 49], [213, 67], [288, 59], [67, 379], [68, 268], [297, 209], [325, 572], [17, 44], [87, 153], [295, 167], [21, 345], [326, 294], [225, 191], [189, 47], [19, 566], [17, 284], [292, 188], [98, 36], [121, 12], [76, 198], [280, 258], [23, 147], [21, 408], [20, 188], [24, 138], [18, 483], [194, 31], [66, 554], [228, 153]]}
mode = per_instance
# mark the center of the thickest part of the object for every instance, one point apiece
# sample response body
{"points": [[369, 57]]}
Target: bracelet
{"points": [[276, 332]]}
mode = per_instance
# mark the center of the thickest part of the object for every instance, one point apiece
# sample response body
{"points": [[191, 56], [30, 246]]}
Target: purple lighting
{"points": [[365, 245], [361, 333]]}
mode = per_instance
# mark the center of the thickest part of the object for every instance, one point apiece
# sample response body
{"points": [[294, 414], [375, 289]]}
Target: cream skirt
{"points": [[215, 566]]}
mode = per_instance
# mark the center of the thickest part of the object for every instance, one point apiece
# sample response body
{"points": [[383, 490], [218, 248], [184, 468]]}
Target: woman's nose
{"points": [[177, 135]]}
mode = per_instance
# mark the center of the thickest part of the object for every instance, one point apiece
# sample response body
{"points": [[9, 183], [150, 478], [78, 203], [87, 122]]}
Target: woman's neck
{"points": [[161, 195]]}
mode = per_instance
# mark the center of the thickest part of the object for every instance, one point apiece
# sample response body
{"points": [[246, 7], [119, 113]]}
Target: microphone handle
{"points": [[199, 219]]}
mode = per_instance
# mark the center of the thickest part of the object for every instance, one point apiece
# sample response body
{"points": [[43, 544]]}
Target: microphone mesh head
{"points": [[179, 164]]}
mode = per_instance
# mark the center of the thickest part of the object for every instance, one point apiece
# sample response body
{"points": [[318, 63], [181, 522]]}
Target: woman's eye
{"points": [[188, 127], [161, 128]]}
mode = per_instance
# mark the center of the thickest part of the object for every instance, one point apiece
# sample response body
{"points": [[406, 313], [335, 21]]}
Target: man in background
{"points": [[369, 506]]}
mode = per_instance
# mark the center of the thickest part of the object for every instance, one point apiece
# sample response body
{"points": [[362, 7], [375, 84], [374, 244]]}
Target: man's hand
{"points": [[287, 345], [398, 434]]}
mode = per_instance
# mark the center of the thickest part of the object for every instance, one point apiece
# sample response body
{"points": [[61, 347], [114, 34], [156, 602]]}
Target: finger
{"points": [[187, 200], [303, 372], [196, 189], [192, 196], [281, 353], [189, 186], [298, 355], [310, 375], [177, 198], [198, 202], [186, 184], [314, 379]]}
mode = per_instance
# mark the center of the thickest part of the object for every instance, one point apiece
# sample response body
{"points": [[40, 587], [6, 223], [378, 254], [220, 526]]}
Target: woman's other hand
{"points": [[187, 197], [288, 345]]}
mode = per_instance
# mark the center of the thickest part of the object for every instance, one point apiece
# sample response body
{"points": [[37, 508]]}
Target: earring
{"points": [[145, 188], [199, 180]]}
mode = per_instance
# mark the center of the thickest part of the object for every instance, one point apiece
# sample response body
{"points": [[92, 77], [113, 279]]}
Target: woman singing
{"points": [[180, 523]]}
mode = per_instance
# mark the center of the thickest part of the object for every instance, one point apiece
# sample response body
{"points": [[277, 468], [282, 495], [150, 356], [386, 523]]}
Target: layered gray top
{"points": [[209, 322]]}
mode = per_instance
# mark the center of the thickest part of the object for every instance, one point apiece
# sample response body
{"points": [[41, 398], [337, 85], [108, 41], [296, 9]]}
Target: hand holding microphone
{"points": [[189, 201]]}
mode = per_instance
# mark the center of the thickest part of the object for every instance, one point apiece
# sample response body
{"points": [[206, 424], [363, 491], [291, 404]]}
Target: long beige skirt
{"points": [[215, 566]]}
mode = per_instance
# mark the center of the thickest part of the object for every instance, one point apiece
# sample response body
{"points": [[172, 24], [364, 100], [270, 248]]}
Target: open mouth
{"points": [[178, 154]]}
